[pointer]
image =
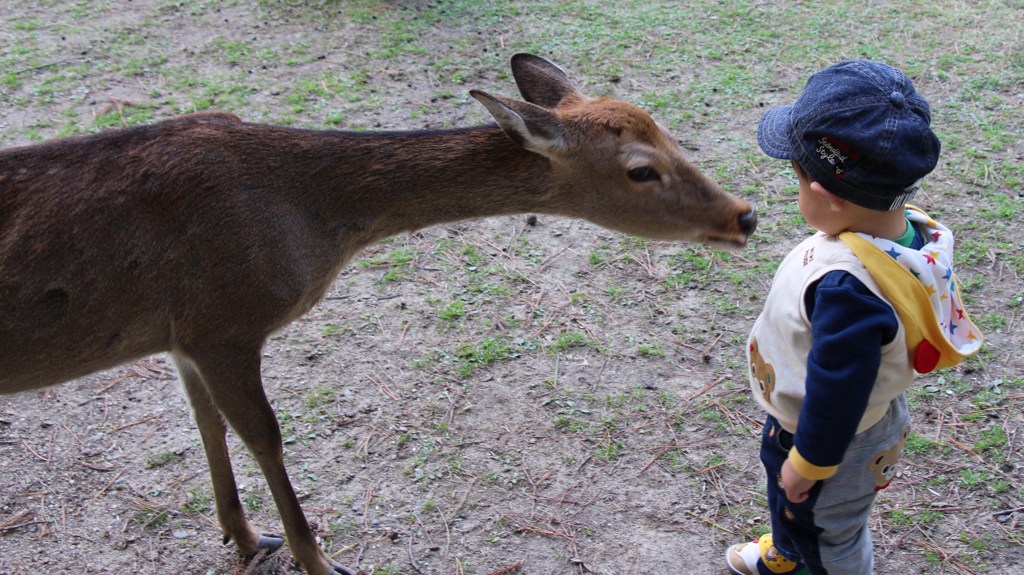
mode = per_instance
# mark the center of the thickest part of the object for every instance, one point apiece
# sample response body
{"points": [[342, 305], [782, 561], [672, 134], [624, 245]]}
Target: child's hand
{"points": [[796, 486]]}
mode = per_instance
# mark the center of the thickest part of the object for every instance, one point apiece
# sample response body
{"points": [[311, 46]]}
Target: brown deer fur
{"points": [[203, 234]]}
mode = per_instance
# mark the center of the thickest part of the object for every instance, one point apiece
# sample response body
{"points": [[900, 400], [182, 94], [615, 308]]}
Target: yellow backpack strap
{"points": [[926, 341]]}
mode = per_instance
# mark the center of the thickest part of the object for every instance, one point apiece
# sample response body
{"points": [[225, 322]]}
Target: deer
{"points": [[200, 235]]}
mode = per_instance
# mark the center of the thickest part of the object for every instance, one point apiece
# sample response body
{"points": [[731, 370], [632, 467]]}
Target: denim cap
{"points": [[861, 130]]}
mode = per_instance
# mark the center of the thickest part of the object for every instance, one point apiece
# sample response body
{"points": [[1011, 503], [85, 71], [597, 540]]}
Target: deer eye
{"points": [[644, 174]]}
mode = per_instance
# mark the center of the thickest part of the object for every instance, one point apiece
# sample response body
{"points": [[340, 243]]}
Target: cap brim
{"points": [[775, 134]]}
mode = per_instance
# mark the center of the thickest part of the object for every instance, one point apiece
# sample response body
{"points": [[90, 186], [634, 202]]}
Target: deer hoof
{"points": [[342, 570], [270, 542]]}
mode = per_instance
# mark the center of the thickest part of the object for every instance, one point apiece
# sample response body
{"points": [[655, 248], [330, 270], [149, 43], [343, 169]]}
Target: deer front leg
{"points": [[212, 430], [233, 383]]}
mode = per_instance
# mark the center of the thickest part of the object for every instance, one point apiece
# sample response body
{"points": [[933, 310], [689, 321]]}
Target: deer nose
{"points": [[748, 222]]}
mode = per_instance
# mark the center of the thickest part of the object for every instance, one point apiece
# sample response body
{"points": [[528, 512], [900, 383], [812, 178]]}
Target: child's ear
{"points": [[835, 203]]}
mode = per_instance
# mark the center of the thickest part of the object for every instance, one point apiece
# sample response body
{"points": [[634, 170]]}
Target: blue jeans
{"points": [[828, 532]]}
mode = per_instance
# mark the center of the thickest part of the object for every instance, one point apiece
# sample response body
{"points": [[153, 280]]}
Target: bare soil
{"points": [[630, 449]]}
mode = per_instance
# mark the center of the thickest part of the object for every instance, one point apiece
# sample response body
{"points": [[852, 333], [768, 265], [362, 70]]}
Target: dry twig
{"points": [[103, 490], [508, 569], [137, 422]]}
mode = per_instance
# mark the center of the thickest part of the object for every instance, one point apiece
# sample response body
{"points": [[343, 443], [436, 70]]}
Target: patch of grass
{"points": [[615, 291], [396, 263], [128, 115], [452, 312], [572, 415], [508, 475], [232, 51], [918, 445], [692, 265], [332, 329], [568, 340], [971, 478], [467, 357], [900, 518], [253, 501], [199, 501], [165, 458], [482, 284], [152, 518], [143, 66], [320, 397], [340, 529], [654, 349], [608, 450]]}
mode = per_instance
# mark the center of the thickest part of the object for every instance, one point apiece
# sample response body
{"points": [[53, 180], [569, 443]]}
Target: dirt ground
{"points": [[629, 448]]}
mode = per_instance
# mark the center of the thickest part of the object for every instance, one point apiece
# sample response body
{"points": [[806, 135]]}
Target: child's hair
{"points": [[800, 171]]}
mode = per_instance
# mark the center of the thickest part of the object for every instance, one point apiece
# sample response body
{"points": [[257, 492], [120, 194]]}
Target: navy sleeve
{"points": [[849, 326]]}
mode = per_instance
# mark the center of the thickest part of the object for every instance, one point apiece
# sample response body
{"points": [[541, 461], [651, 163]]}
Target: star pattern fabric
{"points": [[932, 265]]}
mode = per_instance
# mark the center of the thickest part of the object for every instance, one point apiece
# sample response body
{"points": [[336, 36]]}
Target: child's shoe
{"points": [[761, 558]]}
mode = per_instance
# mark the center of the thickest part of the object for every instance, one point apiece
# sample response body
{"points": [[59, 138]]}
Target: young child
{"points": [[852, 313]]}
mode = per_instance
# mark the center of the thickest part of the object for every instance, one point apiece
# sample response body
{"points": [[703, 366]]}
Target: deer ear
{"points": [[531, 126], [540, 81]]}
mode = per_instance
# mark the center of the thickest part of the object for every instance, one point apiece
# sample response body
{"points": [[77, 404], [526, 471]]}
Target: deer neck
{"points": [[411, 180]]}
